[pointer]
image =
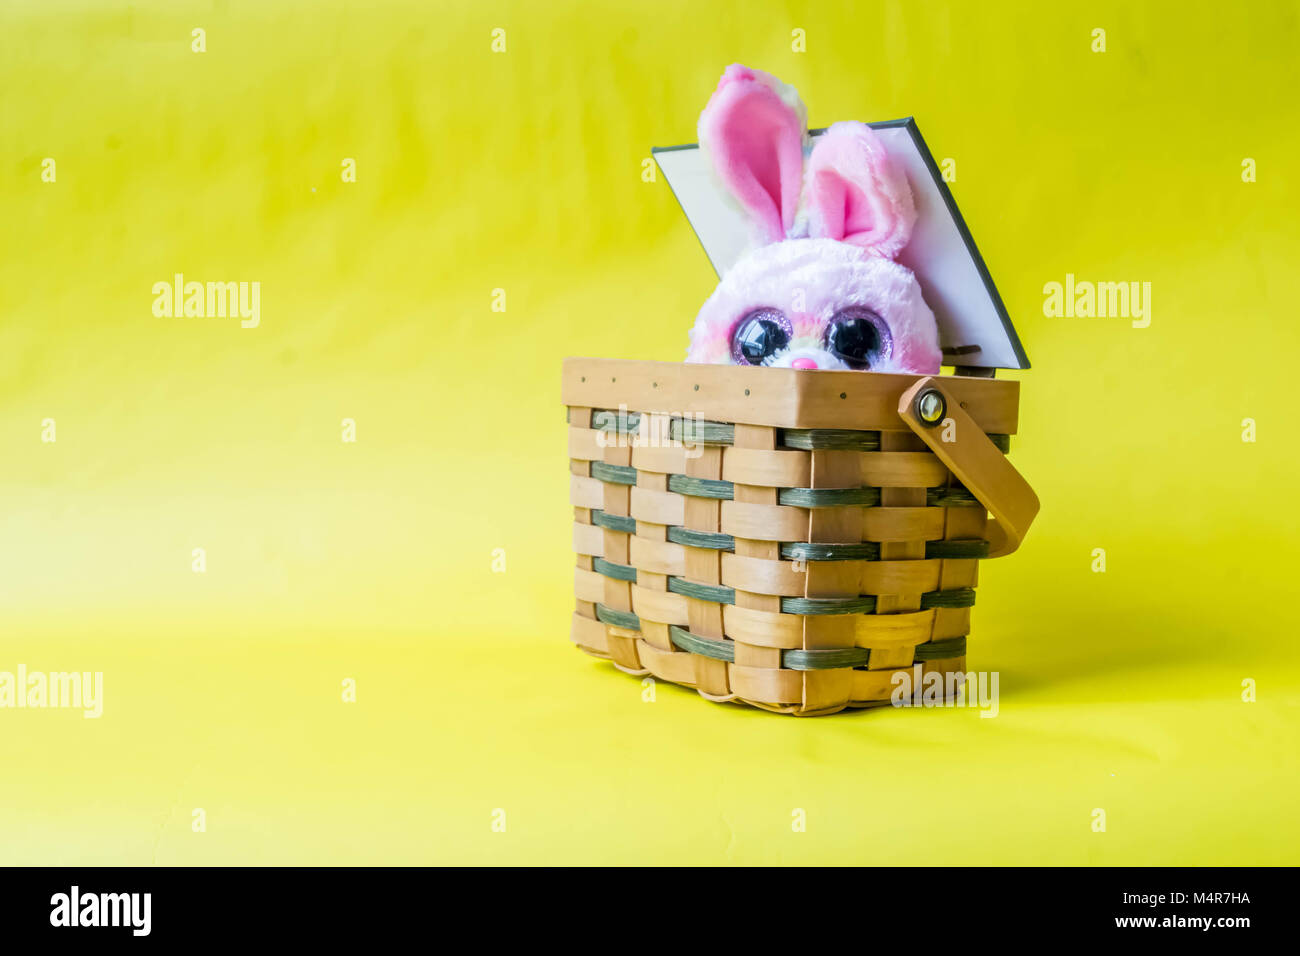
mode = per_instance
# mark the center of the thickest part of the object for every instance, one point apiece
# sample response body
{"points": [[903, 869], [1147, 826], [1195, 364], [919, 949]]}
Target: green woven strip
{"points": [[614, 522], [724, 650], [701, 539], [843, 439], [620, 572], [614, 474], [693, 431], [712, 647], [798, 660], [954, 496], [701, 487], [626, 619], [828, 497], [813, 551], [704, 592], [795, 497], [957, 548], [954, 597], [864, 604], [938, 650], [625, 423], [722, 433], [824, 660], [870, 550]]}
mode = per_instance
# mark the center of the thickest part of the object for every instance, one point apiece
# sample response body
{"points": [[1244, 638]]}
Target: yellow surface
{"points": [[372, 560]]}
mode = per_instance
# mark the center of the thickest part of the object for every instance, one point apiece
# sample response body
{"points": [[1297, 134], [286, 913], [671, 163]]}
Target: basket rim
{"points": [[775, 397]]}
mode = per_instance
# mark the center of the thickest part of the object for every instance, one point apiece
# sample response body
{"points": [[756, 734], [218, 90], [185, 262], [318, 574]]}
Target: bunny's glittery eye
{"points": [[858, 337], [759, 336]]}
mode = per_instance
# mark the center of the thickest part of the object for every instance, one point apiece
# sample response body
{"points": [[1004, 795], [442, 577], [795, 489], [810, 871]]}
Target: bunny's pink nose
{"points": [[803, 363]]}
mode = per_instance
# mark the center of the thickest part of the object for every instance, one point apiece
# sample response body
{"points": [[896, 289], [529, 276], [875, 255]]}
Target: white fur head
{"points": [[816, 290]]}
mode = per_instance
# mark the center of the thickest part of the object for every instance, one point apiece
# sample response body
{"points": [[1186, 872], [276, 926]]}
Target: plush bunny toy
{"points": [[820, 289]]}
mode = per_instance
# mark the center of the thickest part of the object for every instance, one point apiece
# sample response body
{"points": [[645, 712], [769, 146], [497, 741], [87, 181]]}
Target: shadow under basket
{"points": [[783, 538]]}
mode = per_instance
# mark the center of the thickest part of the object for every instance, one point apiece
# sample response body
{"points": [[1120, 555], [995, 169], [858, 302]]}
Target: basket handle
{"points": [[974, 459]]}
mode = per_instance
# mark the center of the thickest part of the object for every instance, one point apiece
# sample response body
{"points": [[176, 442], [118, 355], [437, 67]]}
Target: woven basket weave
{"points": [[782, 538]]}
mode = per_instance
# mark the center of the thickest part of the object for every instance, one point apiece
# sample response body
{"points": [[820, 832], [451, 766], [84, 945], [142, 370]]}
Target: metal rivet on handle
{"points": [[930, 407]]}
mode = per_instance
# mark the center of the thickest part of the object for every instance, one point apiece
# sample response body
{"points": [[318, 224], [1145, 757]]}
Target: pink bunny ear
{"points": [[753, 131], [857, 193]]}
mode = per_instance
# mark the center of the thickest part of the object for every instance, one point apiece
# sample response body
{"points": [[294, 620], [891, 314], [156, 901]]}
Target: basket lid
{"points": [[974, 328]]}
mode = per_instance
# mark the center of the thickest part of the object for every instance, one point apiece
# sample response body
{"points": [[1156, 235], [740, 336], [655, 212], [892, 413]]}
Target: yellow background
{"points": [[372, 561]]}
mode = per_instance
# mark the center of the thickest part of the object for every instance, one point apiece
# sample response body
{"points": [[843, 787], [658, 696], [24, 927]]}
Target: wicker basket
{"points": [[782, 538]]}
